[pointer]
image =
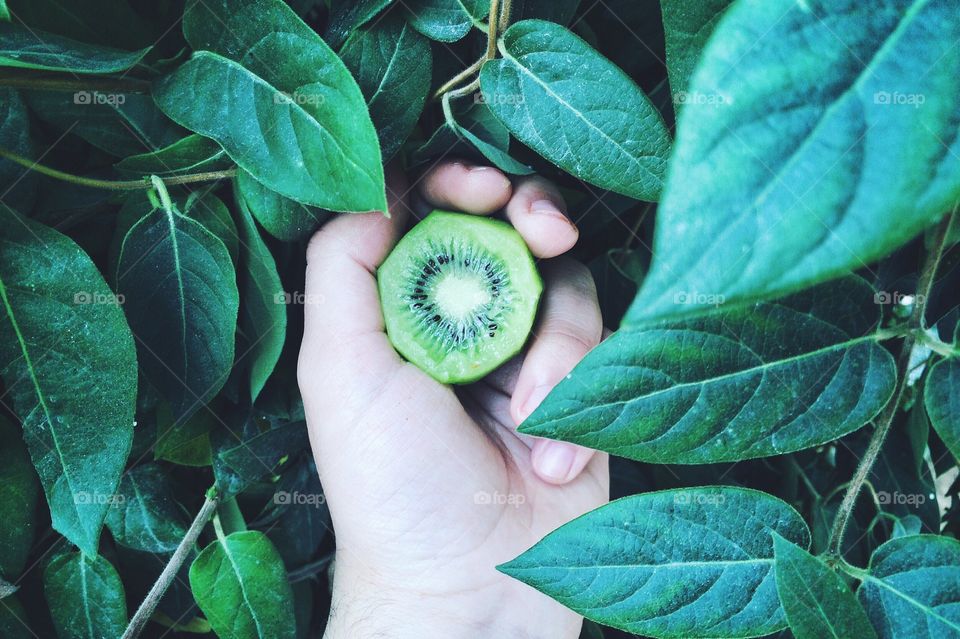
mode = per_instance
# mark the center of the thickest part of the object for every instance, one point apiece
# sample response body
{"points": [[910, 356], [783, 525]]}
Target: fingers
{"points": [[538, 212], [342, 306], [570, 325], [480, 190]]}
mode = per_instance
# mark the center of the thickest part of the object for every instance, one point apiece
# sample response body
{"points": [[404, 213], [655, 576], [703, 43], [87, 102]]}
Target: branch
{"points": [[145, 611]]}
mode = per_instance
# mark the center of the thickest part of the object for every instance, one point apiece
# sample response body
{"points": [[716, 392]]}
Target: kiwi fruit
{"points": [[459, 295]]}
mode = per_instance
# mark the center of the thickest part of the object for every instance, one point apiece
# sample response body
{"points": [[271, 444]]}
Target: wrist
{"points": [[377, 606]]}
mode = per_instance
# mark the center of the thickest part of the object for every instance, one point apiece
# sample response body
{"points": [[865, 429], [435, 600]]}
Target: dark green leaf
{"points": [[577, 109], [87, 21], [69, 364], [819, 154], [27, 48], [682, 563], [815, 599], [687, 26], [294, 117], [735, 384], [181, 300], [446, 20], [244, 457], [4, 11], [191, 154], [941, 396], [206, 208], [13, 618], [392, 64], [19, 490], [85, 597], [120, 124], [241, 587], [185, 442], [17, 184], [144, 516], [912, 589], [263, 319], [283, 218], [346, 16]]}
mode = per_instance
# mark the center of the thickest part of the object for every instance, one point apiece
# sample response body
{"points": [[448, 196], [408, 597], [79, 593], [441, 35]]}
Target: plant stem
{"points": [[145, 611], [498, 21], [492, 30], [506, 9], [33, 80], [457, 79], [885, 419], [115, 185], [309, 570]]}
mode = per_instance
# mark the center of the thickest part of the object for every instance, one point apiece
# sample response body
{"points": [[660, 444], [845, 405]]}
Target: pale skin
{"points": [[429, 486]]}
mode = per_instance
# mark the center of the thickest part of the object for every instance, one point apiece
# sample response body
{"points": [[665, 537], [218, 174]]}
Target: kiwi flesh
{"points": [[459, 295]]}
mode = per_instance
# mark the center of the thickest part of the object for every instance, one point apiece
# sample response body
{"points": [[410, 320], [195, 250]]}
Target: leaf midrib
{"points": [[923, 607], [225, 544]]}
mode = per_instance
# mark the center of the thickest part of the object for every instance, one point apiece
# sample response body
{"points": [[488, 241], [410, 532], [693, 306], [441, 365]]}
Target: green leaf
{"points": [[4, 11], [206, 208], [472, 132], [392, 64], [912, 589], [686, 27], [107, 22], [446, 20], [19, 491], [294, 117], [683, 563], [283, 218], [85, 597], [120, 124], [241, 586], [815, 599], [185, 442], [191, 154], [16, 182], [735, 384], [182, 301], [941, 397], [263, 319], [577, 109], [13, 618], [26, 48], [817, 156], [144, 515], [69, 365], [346, 16], [244, 457]]}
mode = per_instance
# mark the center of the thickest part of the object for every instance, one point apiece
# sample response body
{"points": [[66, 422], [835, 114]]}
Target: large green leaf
{"points": [[27, 48], [69, 365], [182, 301], [820, 136], [686, 27], [120, 124], [684, 563], [392, 64], [206, 208], [263, 319], [144, 516], [19, 491], [446, 20], [85, 596], [815, 599], [941, 396], [577, 109], [191, 154], [735, 384], [912, 590], [283, 218], [241, 587], [293, 117], [349, 15]]}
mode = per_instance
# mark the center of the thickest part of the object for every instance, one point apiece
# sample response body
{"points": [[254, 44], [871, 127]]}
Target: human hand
{"points": [[430, 487]]}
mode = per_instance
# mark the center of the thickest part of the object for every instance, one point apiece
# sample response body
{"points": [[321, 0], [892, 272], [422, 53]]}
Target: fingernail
{"points": [[547, 207], [536, 396], [555, 461]]}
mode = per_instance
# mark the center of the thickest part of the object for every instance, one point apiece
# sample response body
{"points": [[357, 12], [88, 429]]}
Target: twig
{"points": [[115, 185], [145, 611], [457, 79], [885, 419]]}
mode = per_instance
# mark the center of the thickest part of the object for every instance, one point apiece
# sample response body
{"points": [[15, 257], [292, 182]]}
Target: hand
{"points": [[430, 487]]}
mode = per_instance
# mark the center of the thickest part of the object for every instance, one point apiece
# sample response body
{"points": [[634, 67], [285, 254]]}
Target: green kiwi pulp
{"points": [[459, 295]]}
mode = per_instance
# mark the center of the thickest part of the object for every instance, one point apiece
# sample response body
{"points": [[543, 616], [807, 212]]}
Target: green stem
{"points": [[229, 518], [146, 609], [884, 421], [115, 185]]}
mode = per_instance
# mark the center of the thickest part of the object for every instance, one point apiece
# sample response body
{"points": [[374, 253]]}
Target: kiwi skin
{"points": [[464, 356]]}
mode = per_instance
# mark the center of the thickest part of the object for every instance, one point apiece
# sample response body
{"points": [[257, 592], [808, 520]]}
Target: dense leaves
{"points": [[85, 597], [942, 397], [818, 155], [144, 515], [739, 383], [68, 361], [19, 491], [685, 563], [27, 48]]}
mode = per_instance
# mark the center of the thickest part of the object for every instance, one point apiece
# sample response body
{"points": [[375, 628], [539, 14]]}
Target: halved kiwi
{"points": [[459, 295]]}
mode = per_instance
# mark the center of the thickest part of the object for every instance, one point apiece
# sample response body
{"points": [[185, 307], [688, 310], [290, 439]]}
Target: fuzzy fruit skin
{"points": [[503, 241]]}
